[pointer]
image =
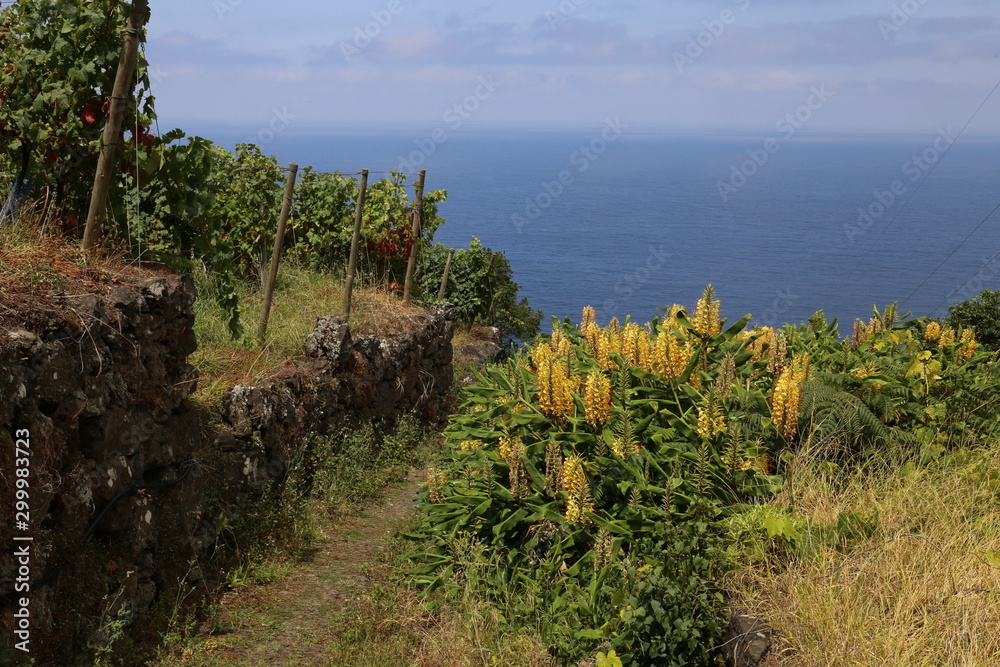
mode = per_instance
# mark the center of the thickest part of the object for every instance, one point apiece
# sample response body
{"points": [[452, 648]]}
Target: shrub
{"points": [[481, 286], [982, 313]]}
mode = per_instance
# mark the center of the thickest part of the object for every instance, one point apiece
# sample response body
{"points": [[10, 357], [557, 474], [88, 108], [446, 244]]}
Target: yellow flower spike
{"points": [[706, 315], [647, 348], [777, 353], [470, 445], [589, 318], [541, 356], [630, 343], [679, 355], [711, 420], [764, 336], [593, 334], [874, 326], [947, 337], [602, 351], [859, 335], [435, 482], [563, 387], [867, 370], [613, 337], [553, 467], [933, 331], [505, 446], [574, 483], [597, 398], [574, 479], [560, 344], [659, 352], [518, 473], [787, 396], [969, 345], [564, 348]]}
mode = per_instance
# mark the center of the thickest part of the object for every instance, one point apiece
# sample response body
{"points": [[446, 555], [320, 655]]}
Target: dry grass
{"points": [[301, 296], [39, 271], [923, 589], [466, 335]]}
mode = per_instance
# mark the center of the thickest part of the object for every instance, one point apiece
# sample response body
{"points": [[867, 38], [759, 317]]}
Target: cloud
{"points": [[963, 25], [605, 57]]}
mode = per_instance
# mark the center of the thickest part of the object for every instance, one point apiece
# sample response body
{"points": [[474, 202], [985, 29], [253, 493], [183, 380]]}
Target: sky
{"points": [[840, 65]]}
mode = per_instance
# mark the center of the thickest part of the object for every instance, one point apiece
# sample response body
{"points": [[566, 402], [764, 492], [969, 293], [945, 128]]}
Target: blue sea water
{"points": [[649, 219]]}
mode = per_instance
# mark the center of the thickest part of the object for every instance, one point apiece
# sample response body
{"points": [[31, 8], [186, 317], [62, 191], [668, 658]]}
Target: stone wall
{"points": [[100, 385], [118, 473], [342, 380]]}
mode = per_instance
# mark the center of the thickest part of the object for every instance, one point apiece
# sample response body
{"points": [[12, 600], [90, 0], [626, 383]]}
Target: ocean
{"points": [[628, 221]]}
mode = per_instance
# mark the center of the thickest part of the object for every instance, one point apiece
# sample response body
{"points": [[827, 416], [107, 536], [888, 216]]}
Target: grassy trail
{"points": [[316, 611]]}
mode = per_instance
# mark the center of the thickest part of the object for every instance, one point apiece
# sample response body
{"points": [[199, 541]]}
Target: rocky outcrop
{"points": [[482, 347], [747, 641]]}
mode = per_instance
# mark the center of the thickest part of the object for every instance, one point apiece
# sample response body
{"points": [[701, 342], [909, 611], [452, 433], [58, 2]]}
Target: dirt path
{"points": [[291, 621]]}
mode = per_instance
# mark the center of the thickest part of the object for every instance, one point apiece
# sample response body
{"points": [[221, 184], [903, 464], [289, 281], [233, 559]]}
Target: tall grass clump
{"points": [[882, 564]]}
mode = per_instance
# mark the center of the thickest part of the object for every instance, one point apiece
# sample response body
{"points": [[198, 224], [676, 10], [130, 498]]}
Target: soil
{"points": [[288, 622], [48, 273]]}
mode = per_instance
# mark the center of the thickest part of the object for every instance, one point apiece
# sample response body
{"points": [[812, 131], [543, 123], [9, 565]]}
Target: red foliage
{"points": [[143, 136], [91, 115]]}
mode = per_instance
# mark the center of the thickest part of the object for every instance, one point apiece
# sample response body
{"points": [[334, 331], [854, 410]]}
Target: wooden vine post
{"points": [[417, 225], [112, 129], [352, 264], [444, 278], [279, 241]]}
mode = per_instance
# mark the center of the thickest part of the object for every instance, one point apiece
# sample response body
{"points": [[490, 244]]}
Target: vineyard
{"points": [[600, 486], [196, 206]]}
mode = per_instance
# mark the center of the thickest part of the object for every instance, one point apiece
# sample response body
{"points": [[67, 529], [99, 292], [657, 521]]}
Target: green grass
{"points": [[301, 296], [384, 624], [390, 625]]}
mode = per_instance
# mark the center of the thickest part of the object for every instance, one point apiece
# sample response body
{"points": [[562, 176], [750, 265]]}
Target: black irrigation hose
{"points": [[135, 488]]}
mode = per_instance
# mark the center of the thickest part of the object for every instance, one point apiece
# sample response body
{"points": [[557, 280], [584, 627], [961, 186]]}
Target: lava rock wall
{"points": [[117, 473]]}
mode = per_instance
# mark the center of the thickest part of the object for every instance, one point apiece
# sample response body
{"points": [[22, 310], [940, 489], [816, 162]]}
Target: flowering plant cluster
{"points": [[570, 460]]}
